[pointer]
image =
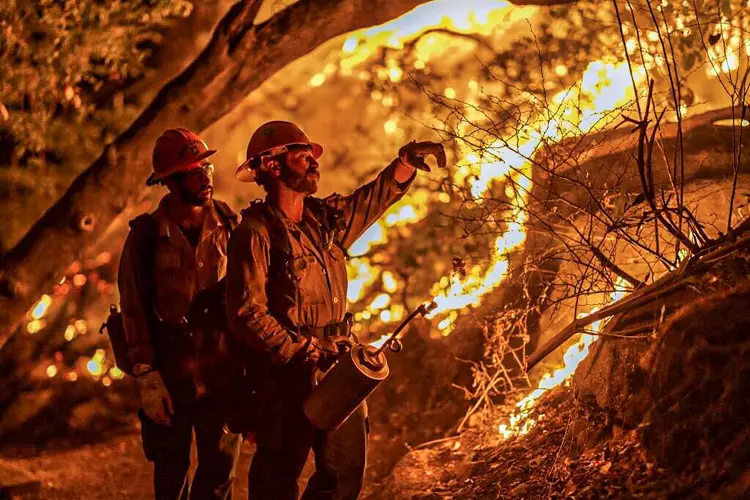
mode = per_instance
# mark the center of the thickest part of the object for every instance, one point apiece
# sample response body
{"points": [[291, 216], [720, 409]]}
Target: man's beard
{"points": [[301, 183], [200, 199]]}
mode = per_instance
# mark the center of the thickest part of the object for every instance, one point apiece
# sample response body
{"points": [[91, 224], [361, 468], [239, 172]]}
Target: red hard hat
{"points": [[177, 150], [271, 139]]}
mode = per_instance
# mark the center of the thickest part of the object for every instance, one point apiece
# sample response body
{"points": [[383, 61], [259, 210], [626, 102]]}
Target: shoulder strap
{"points": [[331, 220], [278, 234], [145, 232]]}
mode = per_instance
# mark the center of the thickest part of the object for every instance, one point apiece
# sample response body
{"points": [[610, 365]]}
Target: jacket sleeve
{"points": [[134, 316], [369, 202], [247, 304]]}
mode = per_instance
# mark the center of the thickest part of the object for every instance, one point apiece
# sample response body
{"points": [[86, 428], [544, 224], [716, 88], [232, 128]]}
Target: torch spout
{"points": [[423, 309]]}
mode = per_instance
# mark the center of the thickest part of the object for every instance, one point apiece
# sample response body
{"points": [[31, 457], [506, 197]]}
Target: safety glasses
{"points": [[198, 172]]}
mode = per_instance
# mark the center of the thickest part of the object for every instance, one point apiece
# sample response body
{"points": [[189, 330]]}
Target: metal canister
{"points": [[346, 386]]}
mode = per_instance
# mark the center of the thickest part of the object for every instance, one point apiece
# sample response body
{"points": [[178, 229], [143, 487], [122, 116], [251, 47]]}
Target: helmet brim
{"points": [[245, 173], [154, 178]]}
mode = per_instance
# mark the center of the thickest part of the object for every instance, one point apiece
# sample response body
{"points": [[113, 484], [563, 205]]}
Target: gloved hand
{"points": [[321, 353], [414, 153], [154, 396]]}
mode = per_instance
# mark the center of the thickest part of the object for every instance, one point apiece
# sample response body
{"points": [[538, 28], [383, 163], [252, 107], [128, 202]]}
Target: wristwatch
{"points": [[141, 369]]}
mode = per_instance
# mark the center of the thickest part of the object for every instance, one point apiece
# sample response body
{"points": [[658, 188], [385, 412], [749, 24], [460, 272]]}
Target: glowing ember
{"points": [[51, 371], [40, 309], [70, 333], [390, 284], [519, 422], [380, 302], [35, 326], [94, 367], [95, 364], [446, 325], [80, 326], [103, 258]]}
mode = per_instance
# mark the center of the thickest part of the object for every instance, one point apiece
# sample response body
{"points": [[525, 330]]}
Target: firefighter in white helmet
{"points": [[286, 299]]}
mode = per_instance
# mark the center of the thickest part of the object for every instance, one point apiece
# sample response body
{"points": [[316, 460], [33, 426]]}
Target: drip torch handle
{"points": [[423, 309]]}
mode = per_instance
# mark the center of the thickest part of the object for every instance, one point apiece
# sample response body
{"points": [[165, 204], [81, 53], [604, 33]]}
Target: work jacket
{"points": [[154, 325], [276, 290]]}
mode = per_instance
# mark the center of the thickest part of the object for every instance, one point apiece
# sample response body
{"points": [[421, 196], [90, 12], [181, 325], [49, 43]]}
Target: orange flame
{"points": [[40, 309], [95, 364], [519, 423], [604, 86]]}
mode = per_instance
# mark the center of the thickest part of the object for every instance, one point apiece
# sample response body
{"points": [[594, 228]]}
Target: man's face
{"points": [[195, 187], [299, 171]]}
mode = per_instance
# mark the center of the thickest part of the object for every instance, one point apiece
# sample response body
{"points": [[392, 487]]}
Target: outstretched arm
{"points": [[368, 203]]}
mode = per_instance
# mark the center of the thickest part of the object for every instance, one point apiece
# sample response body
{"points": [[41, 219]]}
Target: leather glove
{"points": [[154, 397], [320, 352], [414, 153]]}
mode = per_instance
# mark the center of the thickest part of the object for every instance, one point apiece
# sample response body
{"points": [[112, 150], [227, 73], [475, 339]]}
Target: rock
{"points": [[695, 401], [607, 380], [609, 376]]}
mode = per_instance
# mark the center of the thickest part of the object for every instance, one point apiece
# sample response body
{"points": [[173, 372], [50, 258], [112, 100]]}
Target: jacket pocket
{"points": [[309, 278]]}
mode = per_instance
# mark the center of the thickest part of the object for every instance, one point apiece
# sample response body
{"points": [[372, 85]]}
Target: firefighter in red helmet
{"points": [[171, 255], [286, 299]]}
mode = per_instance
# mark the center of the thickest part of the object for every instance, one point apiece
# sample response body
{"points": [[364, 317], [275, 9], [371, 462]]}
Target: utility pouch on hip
{"points": [[116, 332]]}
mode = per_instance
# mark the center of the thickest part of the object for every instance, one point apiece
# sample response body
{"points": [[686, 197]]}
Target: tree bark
{"points": [[237, 60]]}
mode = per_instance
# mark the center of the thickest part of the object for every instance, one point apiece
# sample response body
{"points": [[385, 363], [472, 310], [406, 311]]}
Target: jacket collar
{"points": [[169, 229], [294, 230]]}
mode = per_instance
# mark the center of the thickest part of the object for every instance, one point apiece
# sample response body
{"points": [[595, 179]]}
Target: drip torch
{"points": [[358, 372]]}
